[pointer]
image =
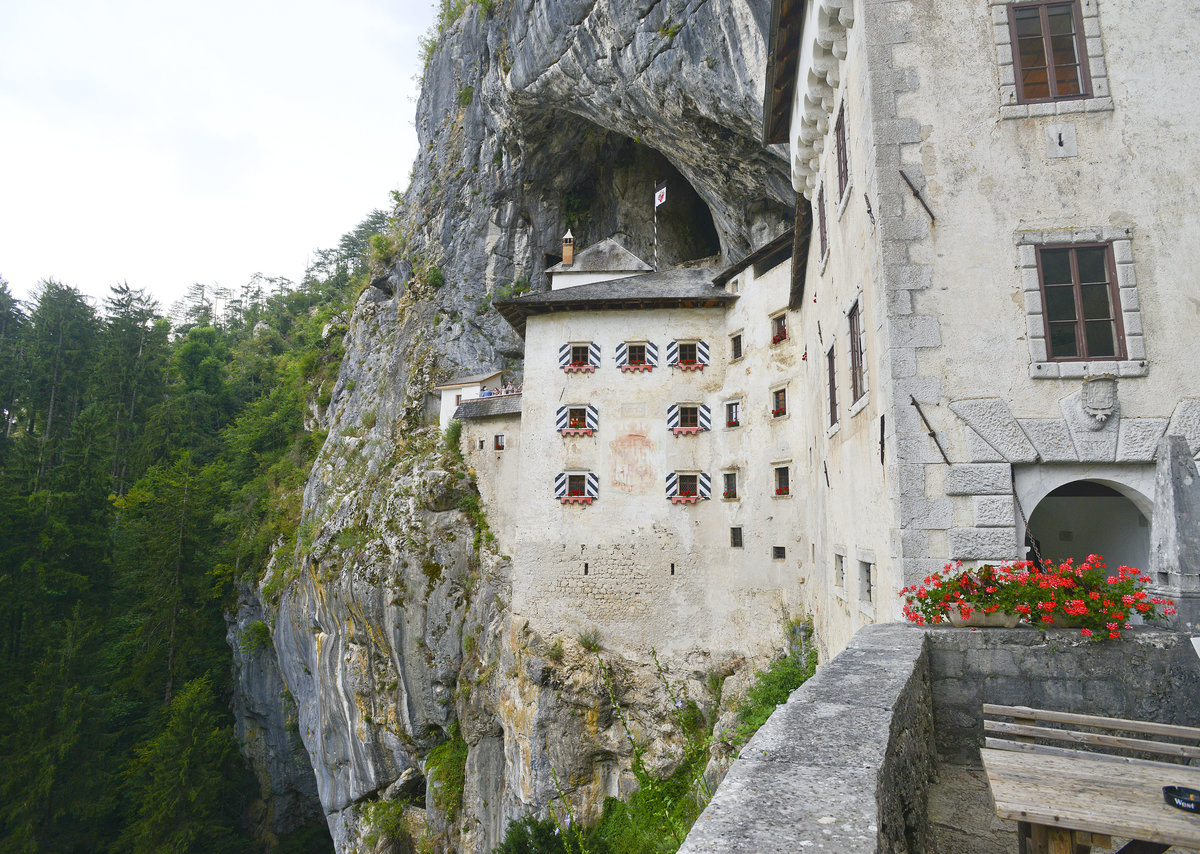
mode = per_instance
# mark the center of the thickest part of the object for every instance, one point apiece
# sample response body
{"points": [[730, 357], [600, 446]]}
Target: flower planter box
{"points": [[636, 369], [684, 499], [579, 369], [686, 431], [976, 618], [734, 423], [576, 499], [778, 413], [782, 336], [783, 492], [689, 366], [730, 496], [577, 431]]}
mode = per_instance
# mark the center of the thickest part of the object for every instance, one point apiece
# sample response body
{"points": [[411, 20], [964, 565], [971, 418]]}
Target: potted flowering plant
{"points": [[729, 493], [782, 490], [777, 413], [779, 336], [1051, 593]]}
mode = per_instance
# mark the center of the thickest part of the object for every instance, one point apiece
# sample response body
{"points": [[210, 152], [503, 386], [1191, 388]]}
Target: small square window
{"points": [[779, 403], [735, 538], [839, 570], [689, 416], [687, 353], [735, 346], [580, 355], [576, 485], [778, 552], [733, 413], [865, 571], [782, 481], [457, 399], [735, 285], [498, 442], [688, 485], [577, 417], [1049, 51], [731, 485], [636, 354], [779, 330]]}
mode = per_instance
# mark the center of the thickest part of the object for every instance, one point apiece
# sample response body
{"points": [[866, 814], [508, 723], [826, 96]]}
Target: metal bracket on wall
{"points": [[929, 428], [917, 195]]}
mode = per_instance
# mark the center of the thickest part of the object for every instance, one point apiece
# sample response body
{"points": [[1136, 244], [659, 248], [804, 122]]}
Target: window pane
{"points": [[1091, 265], [1060, 303], [1097, 302], [1067, 80], [1062, 340], [1034, 85], [1029, 22], [688, 416], [1056, 266], [1060, 19], [1101, 338], [1063, 48]]}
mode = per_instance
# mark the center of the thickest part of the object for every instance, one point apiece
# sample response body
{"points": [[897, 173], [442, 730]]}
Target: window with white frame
{"points": [[858, 375], [783, 485], [577, 487], [730, 490], [733, 413], [579, 357], [779, 330], [498, 442], [779, 402], [688, 487]]}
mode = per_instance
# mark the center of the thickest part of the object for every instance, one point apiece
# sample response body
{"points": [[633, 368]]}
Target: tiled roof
{"points": [[486, 407], [471, 380], [607, 256]]}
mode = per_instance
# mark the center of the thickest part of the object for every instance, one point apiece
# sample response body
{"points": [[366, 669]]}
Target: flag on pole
{"points": [[660, 194]]}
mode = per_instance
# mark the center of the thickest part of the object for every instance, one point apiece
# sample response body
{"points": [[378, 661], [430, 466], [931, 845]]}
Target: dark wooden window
{"points": [[498, 442], [858, 385], [782, 481], [778, 328], [843, 163], [576, 484], [580, 355], [1049, 51], [1082, 309], [687, 353], [822, 231], [730, 490], [689, 416], [735, 346], [689, 484], [779, 403], [637, 354], [735, 538], [577, 417], [831, 367], [733, 413]]}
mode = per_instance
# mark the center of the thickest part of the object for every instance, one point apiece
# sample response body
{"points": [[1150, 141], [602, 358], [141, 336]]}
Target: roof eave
{"points": [[783, 58]]}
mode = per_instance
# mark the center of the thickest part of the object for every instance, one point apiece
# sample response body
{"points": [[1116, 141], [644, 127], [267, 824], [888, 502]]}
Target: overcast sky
{"points": [[168, 143]]}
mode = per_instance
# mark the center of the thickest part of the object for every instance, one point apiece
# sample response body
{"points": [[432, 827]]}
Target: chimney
{"points": [[568, 249]]}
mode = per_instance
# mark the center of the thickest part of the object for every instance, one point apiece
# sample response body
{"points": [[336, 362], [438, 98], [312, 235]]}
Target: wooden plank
{"points": [[1163, 748], [1020, 747], [1149, 727], [1096, 794]]}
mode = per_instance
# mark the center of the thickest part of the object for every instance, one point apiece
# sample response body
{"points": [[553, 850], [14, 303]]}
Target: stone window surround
{"points": [[857, 406], [839, 586], [741, 334], [786, 465], [1135, 364], [1101, 98], [844, 199], [771, 402]]}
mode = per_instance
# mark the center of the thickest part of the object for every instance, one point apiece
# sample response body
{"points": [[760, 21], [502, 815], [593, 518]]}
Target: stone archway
{"points": [[1083, 517]]}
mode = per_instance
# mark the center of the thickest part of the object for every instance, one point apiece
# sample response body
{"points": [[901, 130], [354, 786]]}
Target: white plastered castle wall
{"points": [[496, 472]]}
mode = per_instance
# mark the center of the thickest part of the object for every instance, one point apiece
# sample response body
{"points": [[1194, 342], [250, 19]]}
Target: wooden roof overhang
{"points": [[518, 313], [783, 59]]}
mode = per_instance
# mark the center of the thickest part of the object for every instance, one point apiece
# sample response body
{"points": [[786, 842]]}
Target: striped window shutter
{"points": [[672, 352], [702, 352], [593, 420], [705, 418], [564, 355], [622, 353], [672, 484], [561, 419], [592, 488], [651, 353], [672, 416], [705, 484], [560, 485], [594, 354]]}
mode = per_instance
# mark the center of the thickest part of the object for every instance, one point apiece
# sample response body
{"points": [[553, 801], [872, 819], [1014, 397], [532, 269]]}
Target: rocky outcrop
{"points": [[392, 626]]}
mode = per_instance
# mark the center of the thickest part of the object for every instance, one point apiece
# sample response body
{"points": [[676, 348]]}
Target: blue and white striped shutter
{"points": [[672, 416], [702, 352], [651, 353], [560, 485], [672, 484], [564, 355], [593, 421], [672, 352], [705, 418], [592, 487], [561, 419], [705, 485], [622, 353], [594, 354]]}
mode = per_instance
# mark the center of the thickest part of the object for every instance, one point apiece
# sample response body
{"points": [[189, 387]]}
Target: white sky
{"points": [[164, 143]]}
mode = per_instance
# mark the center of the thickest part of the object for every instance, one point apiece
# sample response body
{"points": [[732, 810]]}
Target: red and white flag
{"points": [[660, 194]]}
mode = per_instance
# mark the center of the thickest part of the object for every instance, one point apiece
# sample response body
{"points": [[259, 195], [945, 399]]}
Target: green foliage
{"points": [[487, 6], [556, 651], [445, 769], [589, 639], [472, 505], [775, 684], [388, 823], [669, 31], [255, 637], [465, 94], [518, 286], [452, 440]]}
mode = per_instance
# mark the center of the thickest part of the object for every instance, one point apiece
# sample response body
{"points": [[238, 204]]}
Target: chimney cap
{"points": [[569, 236]]}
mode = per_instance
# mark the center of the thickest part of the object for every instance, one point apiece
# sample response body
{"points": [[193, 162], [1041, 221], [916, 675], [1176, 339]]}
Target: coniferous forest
{"points": [[150, 462]]}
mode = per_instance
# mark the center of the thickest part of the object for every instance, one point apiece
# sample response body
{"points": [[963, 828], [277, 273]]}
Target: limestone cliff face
{"points": [[394, 625]]}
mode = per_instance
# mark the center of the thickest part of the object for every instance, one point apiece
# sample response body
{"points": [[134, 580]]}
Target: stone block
{"points": [[1093, 445], [1137, 439], [1123, 251], [1175, 528], [1051, 439], [1008, 690], [1043, 370], [916, 331], [983, 544], [1126, 276], [991, 419], [979, 479], [1027, 254], [1185, 422], [931, 514], [978, 450], [904, 363], [994, 511]]}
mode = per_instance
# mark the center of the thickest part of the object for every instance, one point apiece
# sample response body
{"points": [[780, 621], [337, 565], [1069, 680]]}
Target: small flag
{"points": [[660, 194]]}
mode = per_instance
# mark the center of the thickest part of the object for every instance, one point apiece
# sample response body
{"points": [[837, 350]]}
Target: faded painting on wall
{"points": [[631, 461]]}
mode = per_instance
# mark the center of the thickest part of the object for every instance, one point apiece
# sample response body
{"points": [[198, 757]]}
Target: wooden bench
{"points": [[1097, 778]]}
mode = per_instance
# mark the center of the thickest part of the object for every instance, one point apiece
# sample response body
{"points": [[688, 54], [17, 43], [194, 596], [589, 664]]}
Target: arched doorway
{"points": [[1085, 517]]}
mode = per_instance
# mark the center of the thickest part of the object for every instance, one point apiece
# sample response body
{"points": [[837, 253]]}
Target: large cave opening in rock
{"points": [[602, 184]]}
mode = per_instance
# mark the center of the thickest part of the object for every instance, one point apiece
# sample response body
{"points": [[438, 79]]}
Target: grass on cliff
{"points": [[446, 771]]}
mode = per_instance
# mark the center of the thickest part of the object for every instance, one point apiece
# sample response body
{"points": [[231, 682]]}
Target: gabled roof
{"points": [[485, 407], [783, 59], [607, 256], [474, 379], [680, 287]]}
